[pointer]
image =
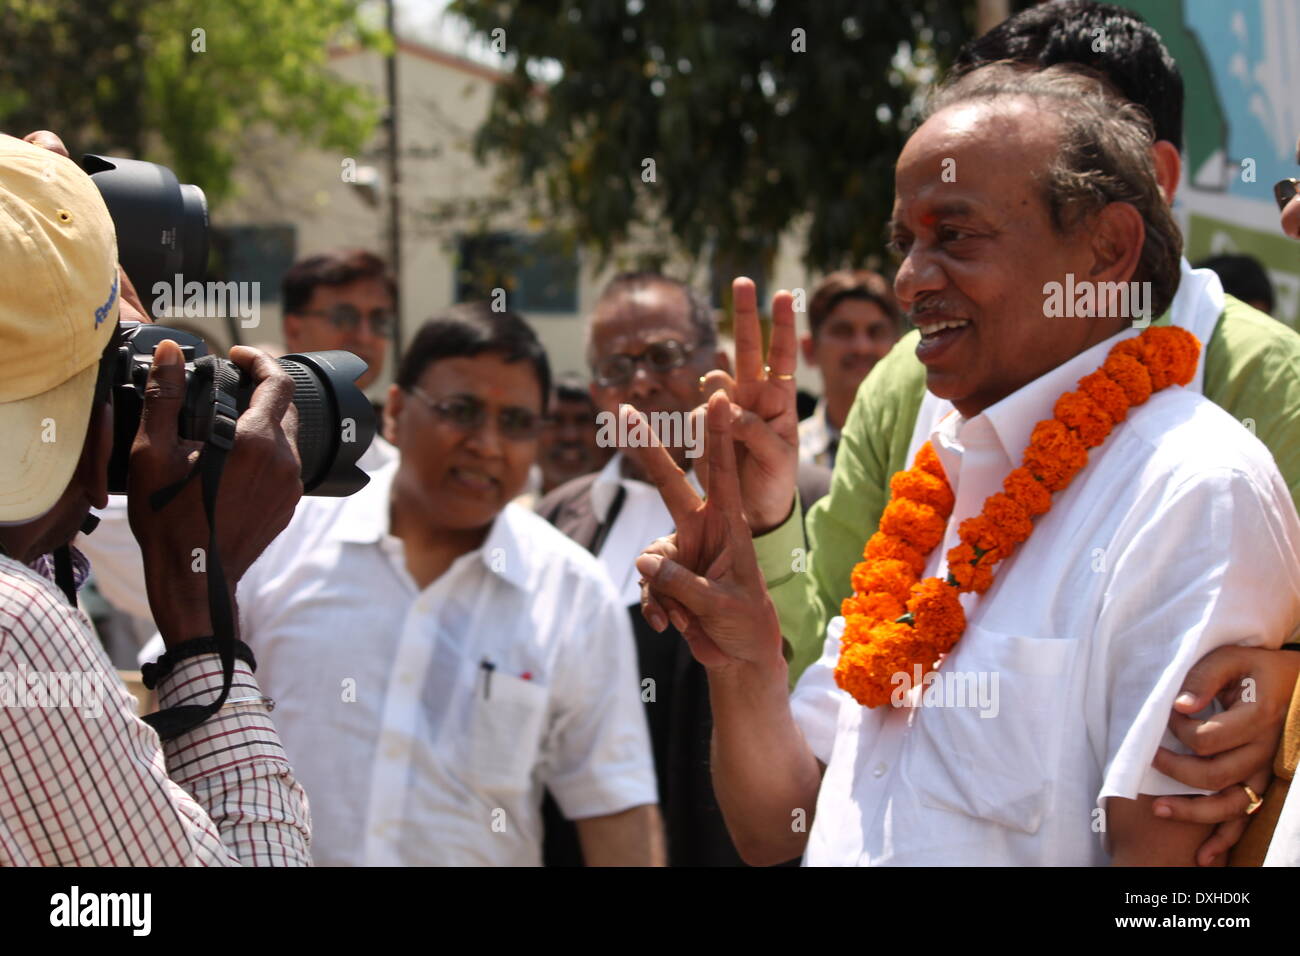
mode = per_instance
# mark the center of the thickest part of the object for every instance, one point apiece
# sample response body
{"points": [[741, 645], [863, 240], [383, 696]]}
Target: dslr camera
{"points": [[162, 232]]}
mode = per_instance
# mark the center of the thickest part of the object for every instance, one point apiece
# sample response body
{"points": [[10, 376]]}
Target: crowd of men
{"points": [[519, 645]]}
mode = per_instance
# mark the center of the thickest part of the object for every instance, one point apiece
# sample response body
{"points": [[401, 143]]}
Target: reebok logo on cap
{"points": [[102, 312]]}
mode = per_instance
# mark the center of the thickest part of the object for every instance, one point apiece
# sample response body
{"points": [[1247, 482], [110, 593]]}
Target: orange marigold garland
{"points": [[881, 545], [894, 621]]}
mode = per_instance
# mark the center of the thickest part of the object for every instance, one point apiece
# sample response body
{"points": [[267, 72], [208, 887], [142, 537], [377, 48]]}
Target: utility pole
{"points": [[394, 179]]}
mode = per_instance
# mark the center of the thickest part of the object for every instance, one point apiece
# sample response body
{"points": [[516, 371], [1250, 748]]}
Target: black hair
{"points": [[1243, 277], [851, 284], [572, 387], [1116, 42], [470, 329], [330, 269]]}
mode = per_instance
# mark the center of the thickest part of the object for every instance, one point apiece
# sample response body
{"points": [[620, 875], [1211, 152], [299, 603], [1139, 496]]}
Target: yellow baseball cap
{"points": [[58, 309]]}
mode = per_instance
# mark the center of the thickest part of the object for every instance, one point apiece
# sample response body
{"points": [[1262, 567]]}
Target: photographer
{"points": [[91, 784]]}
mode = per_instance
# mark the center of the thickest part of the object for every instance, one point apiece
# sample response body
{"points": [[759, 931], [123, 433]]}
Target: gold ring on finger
{"points": [[1256, 801], [779, 376]]}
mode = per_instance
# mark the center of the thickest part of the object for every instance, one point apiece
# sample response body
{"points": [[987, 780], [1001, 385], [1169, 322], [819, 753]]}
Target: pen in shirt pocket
{"points": [[487, 667]]}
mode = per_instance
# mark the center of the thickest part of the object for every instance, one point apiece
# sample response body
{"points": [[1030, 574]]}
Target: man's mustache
{"points": [[934, 304]]}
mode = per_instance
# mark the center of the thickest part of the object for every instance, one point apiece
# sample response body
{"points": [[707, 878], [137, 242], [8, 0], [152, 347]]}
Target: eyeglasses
{"points": [[1285, 191], [347, 318], [659, 357], [469, 413]]}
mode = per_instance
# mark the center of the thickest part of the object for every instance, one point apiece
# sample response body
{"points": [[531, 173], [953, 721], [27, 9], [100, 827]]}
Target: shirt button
{"points": [[879, 770]]}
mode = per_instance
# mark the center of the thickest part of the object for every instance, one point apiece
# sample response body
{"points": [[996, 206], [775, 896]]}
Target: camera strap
{"points": [[220, 438]]}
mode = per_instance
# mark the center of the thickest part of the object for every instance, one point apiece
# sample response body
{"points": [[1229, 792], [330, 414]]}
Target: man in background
{"points": [[569, 448], [1244, 278], [853, 322], [340, 300], [343, 300], [650, 340], [442, 654]]}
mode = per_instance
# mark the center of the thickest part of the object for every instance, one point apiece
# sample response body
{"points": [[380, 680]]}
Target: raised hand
{"points": [[707, 574], [767, 428]]}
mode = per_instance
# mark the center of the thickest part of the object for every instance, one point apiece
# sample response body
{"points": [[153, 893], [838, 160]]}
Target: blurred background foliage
{"points": [[132, 77], [753, 126]]}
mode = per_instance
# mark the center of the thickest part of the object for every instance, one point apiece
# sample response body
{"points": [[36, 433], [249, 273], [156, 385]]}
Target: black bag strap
{"points": [[602, 530], [224, 376]]}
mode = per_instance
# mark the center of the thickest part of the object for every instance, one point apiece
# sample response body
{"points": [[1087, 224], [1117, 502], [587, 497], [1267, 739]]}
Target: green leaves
{"points": [[183, 81], [750, 136]]}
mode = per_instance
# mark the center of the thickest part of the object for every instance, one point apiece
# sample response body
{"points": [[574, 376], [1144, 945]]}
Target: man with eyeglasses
{"points": [[340, 300], [651, 340], [343, 300], [438, 654]]}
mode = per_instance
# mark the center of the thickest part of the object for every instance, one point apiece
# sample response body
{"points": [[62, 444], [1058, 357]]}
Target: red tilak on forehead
{"points": [[929, 219]]}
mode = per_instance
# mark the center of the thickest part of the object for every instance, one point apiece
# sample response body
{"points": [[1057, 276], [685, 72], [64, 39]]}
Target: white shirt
{"points": [[1179, 536], [379, 454], [642, 518], [408, 755]]}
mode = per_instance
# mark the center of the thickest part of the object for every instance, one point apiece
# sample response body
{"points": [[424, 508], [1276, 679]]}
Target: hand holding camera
{"points": [[259, 489]]}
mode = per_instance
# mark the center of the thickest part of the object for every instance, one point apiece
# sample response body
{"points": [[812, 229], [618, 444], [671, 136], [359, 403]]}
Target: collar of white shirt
{"points": [[1012, 420], [363, 518]]}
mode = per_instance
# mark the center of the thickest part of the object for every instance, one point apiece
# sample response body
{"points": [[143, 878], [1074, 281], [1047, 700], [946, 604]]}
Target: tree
{"points": [[715, 124], [178, 81]]}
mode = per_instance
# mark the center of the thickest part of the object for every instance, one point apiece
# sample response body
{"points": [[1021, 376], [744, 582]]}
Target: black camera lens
{"points": [[336, 422], [162, 224]]}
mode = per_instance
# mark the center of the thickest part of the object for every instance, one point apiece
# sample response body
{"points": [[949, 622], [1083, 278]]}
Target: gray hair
{"points": [[698, 308], [1104, 156]]}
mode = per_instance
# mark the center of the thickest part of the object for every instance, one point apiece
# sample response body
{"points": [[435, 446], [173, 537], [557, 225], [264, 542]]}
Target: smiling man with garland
{"points": [[1177, 536]]}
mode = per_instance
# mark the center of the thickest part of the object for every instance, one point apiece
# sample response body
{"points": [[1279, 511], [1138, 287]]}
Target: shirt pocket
{"points": [[995, 762], [505, 732]]}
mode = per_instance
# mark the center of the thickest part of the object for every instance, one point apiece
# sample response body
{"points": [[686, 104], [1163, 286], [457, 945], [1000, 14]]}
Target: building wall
{"points": [[442, 100]]}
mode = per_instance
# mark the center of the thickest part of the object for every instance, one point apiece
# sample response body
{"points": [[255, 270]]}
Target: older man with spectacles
{"points": [[650, 338]]}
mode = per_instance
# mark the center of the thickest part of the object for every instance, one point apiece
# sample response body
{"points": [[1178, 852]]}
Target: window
{"points": [[261, 254], [538, 273]]}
